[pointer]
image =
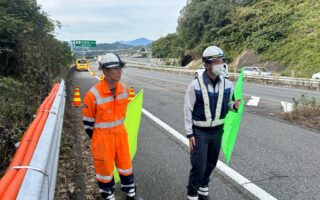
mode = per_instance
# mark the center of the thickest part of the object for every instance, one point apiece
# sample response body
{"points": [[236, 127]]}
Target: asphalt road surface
{"points": [[280, 158]]}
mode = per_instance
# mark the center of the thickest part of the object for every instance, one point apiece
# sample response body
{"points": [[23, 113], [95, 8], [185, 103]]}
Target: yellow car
{"points": [[82, 64]]}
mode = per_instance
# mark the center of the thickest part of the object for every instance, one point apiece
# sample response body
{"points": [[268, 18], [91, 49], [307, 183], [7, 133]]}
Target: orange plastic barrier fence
{"points": [[11, 182]]}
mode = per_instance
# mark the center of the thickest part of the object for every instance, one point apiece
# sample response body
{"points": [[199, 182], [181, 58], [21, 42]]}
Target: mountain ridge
{"points": [[137, 42]]}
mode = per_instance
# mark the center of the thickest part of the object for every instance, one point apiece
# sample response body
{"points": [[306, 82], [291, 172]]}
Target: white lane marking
{"points": [[235, 176], [254, 101], [287, 107]]}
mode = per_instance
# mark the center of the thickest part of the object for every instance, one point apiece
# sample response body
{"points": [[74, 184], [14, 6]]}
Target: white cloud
{"points": [[112, 20]]}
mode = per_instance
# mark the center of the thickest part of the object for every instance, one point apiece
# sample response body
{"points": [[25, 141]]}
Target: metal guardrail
{"points": [[40, 179], [273, 80], [154, 61], [283, 80], [149, 63]]}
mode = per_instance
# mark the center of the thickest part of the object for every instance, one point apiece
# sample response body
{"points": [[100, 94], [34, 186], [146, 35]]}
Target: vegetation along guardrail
{"points": [[32, 172]]}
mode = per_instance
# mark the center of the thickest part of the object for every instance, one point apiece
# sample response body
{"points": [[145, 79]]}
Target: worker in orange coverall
{"points": [[104, 112]]}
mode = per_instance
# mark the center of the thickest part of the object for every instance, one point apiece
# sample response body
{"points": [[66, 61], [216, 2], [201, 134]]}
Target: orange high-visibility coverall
{"points": [[103, 118]]}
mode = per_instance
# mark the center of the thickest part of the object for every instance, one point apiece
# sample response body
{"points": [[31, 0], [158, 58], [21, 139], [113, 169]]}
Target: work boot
{"points": [[134, 198], [202, 197], [189, 197]]}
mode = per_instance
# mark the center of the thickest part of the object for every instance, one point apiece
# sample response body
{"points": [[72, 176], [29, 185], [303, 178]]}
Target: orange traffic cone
{"points": [[76, 101], [101, 76], [131, 93]]}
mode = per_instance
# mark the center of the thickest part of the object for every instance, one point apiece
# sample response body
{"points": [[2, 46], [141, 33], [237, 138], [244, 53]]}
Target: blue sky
{"points": [[113, 20]]}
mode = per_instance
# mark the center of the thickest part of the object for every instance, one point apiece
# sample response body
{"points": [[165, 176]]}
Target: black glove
{"points": [[89, 132]]}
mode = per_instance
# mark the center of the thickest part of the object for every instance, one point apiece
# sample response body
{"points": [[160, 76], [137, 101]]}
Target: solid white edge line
{"points": [[235, 176]]}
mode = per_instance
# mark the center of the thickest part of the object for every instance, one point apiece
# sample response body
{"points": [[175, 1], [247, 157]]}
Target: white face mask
{"points": [[218, 69]]}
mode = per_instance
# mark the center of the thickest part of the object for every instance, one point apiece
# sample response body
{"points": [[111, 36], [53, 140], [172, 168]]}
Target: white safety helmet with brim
{"points": [[211, 53], [110, 60], [215, 55]]}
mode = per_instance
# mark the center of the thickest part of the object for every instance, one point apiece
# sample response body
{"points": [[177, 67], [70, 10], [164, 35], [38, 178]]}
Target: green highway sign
{"points": [[85, 43]]}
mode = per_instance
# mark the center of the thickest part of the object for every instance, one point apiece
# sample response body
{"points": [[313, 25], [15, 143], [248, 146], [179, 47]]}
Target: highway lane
{"points": [[280, 158], [162, 163], [263, 91]]}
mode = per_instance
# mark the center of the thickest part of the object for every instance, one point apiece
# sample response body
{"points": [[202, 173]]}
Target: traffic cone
{"points": [[131, 93], [76, 101], [101, 76]]}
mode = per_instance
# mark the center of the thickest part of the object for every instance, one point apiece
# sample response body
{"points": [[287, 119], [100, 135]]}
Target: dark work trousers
{"points": [[204, 156]]}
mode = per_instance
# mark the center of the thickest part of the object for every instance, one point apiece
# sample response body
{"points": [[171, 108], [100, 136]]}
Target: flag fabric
{"points": [[132, 124], [232, 122]]}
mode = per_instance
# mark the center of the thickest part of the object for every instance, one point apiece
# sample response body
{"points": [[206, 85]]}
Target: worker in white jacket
{"points": [[207, 101]]}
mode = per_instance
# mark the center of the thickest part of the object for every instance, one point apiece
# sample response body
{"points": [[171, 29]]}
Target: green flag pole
{"points": [[232, 122]]}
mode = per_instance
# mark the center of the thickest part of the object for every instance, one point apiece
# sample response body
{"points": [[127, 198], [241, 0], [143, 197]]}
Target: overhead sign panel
{"points": [[85, 43]]}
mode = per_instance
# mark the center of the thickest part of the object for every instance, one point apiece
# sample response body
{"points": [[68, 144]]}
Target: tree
{"points": [[30, 60]]}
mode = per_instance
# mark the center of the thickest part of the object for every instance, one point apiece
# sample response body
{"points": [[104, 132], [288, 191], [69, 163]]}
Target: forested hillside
{"points": [[31, 59], [286, 31]]}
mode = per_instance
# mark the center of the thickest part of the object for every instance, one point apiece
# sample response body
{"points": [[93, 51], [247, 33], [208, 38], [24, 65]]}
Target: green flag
{"points": [[132, 124], [232, 122]]}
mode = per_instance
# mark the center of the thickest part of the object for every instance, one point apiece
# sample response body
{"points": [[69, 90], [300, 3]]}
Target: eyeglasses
{"points": [[217, 61]]}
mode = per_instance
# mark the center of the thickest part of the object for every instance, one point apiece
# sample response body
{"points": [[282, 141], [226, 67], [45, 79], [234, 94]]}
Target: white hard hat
{"points": [[110, 60], [212, 52]]}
